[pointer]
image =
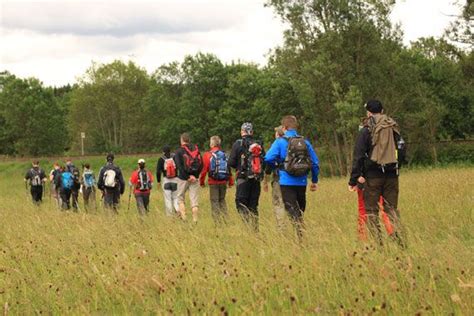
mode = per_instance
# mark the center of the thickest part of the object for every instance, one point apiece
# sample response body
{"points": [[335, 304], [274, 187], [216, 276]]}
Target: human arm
{"points": [[360, 150], [205, 168]]}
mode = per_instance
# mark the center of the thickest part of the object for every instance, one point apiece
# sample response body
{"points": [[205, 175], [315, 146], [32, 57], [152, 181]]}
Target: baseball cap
{"points": [[141, 161]]}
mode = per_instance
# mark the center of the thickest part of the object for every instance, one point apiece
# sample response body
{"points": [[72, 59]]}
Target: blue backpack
{"points": [[218, 169], [67, 180], [88, 179]]}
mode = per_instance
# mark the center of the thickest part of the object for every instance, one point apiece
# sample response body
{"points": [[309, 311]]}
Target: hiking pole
{"points": [[129, 197]]}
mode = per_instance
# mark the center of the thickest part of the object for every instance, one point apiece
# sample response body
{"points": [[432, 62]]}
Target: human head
{"points": [[373, 107], [55, 166], [35, 163], [185, 138], [246, 129], [68, 162], [279, 132], [87, 165], [110, 157], [215, 141], [289, 122], [166, 150], [141, 163]]}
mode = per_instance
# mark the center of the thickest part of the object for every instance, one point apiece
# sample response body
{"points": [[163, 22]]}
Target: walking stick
{"points": [[129, 197]]}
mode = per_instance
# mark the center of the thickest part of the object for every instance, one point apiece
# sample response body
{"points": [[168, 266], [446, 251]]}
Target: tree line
{"points": [[336, 55]]}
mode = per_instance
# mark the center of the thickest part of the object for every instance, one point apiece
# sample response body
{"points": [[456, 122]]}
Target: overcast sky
{"points": [[56, 41]]}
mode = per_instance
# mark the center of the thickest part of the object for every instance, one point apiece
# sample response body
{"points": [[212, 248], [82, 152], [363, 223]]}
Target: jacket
{"points": [[276, 156], [135, 182], [179, 160], [361, 163], [118, 177], [206, 160]]}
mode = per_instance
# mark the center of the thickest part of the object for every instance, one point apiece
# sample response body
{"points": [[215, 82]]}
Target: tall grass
{"points": [[63, 262]]}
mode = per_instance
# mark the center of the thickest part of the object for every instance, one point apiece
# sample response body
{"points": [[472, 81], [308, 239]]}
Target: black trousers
{"points": [[294, 199], [65, 195], [111, 198], [386, 187], [246, 200], [36, 193]]}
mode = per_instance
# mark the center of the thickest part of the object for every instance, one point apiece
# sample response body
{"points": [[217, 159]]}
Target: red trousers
{"points": [[361, 227]]}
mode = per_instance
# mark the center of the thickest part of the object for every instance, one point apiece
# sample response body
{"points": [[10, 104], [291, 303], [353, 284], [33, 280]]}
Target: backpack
{"points": [[76, 176], [144, 183], [35, 177], [383, 131], [109, 178], [218, 169], [252, 160], [170, 167], [192, 160], [88, 179], [67, 180], [297, 161]]}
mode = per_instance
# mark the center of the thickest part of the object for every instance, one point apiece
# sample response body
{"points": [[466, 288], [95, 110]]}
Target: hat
{"points": [[247, 127], [374, 106], [110, 157], [166, 149], [141, 161]]}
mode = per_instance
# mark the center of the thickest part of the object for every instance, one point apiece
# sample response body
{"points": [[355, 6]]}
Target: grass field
{"points": [[55, 262]]}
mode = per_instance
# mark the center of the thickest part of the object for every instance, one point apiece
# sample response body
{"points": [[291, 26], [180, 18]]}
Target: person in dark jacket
{"points": [[76, 184], [36, 178], [293, 187], [378, 180], [166, 167], [188, 165], [111, 184], [248, 181]]}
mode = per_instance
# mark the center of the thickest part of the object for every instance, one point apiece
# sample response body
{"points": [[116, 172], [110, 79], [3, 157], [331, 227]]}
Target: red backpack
{"points": [[192, 160], [170, 167]]}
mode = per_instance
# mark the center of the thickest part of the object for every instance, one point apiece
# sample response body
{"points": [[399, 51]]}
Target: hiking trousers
{"points": [[246, 200], [36, 193], [143, 200], [170, 194], [294, 199], [387, 188], [65, 195], [75, 199], [88, 193], [218, 204], [111, 198], [278, 206]]}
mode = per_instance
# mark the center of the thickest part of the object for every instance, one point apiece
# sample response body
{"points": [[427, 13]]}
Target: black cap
{"points": [[110, 157], [374, 106]]}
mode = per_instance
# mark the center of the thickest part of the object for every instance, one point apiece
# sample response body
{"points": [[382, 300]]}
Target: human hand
{"points": [[352, 188], [313, 187], [265, 187], [361, 180]]}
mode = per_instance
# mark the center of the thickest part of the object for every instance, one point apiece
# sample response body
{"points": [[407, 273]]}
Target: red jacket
{"points": [[206, 161], [135, 181]]}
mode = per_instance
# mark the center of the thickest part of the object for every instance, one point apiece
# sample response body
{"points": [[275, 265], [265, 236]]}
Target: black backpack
{"points": [[144, 183], [297, 161], [251, 160]]}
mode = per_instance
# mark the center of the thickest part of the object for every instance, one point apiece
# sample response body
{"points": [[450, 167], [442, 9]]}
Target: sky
{"points": [[56, 41]]}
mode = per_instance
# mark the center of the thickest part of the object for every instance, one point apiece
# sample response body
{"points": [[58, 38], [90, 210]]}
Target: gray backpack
{"points": [[297, 161]]}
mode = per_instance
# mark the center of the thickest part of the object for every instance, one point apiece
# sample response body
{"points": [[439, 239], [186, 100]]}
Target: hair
{"points": [[215, 141], [87, 165], [166, 149], [289, 122], [279, 131], [185, 138], [36, 162]]}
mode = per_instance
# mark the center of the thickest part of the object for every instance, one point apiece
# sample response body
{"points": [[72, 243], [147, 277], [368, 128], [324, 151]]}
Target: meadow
{"points": [[54, 262]]}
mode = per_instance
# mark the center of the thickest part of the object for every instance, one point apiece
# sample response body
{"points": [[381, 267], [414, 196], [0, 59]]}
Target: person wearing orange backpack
{"points": [[142, 181], [189, 165], [166, 167], [246, 158], [215, 164]]}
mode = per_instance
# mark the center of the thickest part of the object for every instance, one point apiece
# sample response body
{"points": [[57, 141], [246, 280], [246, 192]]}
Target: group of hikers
{"points": [[286, 165]]}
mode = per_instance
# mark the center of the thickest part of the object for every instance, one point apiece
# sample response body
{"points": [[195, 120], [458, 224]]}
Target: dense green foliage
{"points": [[336, 55]]}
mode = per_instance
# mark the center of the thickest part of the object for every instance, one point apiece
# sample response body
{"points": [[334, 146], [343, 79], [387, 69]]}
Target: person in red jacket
{"points": [[215, 166], [142, 180]]}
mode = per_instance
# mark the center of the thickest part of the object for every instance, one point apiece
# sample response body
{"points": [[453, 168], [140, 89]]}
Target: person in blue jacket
{"points": [[295, 157]]}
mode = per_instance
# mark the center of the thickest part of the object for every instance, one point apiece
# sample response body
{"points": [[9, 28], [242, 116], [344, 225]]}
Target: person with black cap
{"points": [[142, 181], [76, 177], [246, 157], [36, 178], [166, 167], [376, 167], [111, 183]]}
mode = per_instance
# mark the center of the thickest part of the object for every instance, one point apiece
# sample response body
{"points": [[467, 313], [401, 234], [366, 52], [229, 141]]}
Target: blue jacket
{"points": [[277, 154]]}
